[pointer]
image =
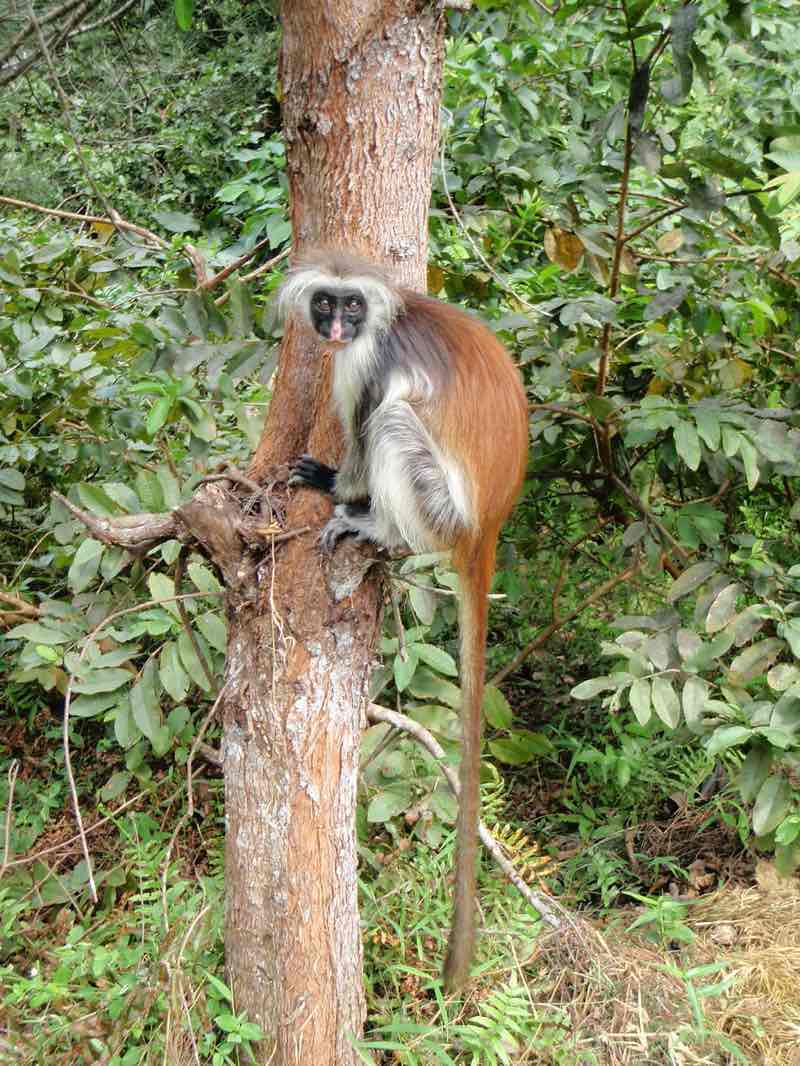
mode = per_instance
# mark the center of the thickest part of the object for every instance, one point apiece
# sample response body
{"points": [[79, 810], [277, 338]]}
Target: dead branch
{"points": [[430, 743], [13, 770], [117, 222], [558, 623], [20, 606], [137, 532]]}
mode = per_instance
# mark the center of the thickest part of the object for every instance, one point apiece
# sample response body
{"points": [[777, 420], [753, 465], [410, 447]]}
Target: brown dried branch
{"points": [[428, 741], [13, 770], [558, 623], [20, 606], [117, 222], [137, 532]]}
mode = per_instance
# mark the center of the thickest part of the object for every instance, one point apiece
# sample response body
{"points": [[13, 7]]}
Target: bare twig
{"points": [[566, 412], [19, 605], [430, 743], [558, 623], [257, 273], [398, 621], [118, 222], [197, 741], [662, 529], [13, 770]]}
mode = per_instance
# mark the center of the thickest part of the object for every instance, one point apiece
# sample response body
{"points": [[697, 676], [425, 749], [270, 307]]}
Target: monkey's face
{"points": [[338, 317]]}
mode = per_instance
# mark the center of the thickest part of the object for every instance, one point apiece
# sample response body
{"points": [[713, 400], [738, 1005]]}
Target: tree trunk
{"points": [[361, 84]]}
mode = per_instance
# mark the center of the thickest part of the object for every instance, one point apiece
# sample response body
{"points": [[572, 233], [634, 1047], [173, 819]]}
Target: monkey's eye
{"points": [[322, 303], [353, 303]]}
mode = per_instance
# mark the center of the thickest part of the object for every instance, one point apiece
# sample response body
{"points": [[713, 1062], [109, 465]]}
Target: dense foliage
{"points": [[619, 195]]}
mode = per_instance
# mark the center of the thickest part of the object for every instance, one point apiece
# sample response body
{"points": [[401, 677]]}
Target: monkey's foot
{"points": [[347, 520], [313, 474]]}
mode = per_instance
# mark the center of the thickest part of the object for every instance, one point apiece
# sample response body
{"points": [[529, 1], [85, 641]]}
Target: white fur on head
{"points": [[338, 272]]}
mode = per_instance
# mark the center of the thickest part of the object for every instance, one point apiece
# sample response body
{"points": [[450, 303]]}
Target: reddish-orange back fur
{"points": [[483, 418], [481, 421]]}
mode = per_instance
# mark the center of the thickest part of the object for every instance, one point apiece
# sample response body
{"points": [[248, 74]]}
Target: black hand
{"points": [[310, 472]]}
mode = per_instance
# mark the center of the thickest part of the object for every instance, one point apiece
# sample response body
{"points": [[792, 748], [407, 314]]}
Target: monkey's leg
{"points": [[313, 474], [420, 497]]}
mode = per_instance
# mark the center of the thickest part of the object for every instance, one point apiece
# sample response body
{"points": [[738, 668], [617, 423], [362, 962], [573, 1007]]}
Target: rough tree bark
{"points": [[361, 82]]}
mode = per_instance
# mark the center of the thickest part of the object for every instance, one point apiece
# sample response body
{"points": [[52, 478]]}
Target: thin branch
{"points": [[662, 529], [13, 770], [399, 721], [195, 747], [90, 26], [118, 222], [257, 273], [602, 520], [558, 623], [566, 412], [19, 605], [37, 855]]}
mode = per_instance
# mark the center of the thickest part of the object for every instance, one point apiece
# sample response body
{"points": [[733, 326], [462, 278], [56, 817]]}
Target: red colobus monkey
{"points": [[436, 429]]}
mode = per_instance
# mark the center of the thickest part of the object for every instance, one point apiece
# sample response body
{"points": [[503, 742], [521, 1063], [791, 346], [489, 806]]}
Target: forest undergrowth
{"points": [[635, 241]]}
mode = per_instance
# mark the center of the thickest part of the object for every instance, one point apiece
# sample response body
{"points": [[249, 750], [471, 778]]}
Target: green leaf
{"points": [[423, 603], [125, 729], [496, 708], [90, 706], [426, 685], [690, 580], [148, 488], [39, 634], [178, 221], [162, 589], [436, 658], [212, 625], [639, 697], [173, 677], [587, 690], [727, 736], [665, 702], [389, 802], [444, 805], [755, 660], [695, 696], [511, 751], [772, 804], [94, 498], [404, 669], [115, 786], [754, 770], [687, 444], [184, 10], [202, 578], [85, 564], [708, 427], [191, 662], [145, 704], [158, 415], [103, 681], [12, 479], [722, 608]]}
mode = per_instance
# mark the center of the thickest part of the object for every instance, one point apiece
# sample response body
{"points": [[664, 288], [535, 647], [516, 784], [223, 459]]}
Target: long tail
{"points": [[475, 574]]}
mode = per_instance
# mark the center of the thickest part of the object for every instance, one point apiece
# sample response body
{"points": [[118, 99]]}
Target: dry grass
{"points": [[628, 1004]]}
